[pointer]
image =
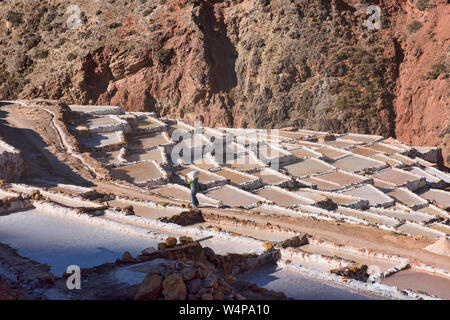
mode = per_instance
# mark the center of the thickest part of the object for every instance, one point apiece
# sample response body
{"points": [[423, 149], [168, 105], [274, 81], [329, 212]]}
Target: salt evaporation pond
{"points": [[297, 286], [62, 242]]}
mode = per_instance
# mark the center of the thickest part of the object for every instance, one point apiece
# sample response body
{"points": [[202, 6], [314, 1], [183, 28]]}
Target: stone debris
{"points": [[356, 272], [202, 275], [185, 218]]}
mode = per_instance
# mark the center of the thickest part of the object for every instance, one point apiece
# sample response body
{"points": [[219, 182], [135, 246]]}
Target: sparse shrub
{"points": [[115, 25], [43, 54], [165, 55], [414, 26], [14, 17], [147, 12], [436, 70], [424, 4]]}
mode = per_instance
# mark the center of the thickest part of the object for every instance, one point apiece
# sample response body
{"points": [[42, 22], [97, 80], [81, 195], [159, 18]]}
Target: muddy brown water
{"points": [[270, 178], [354, 163], [233, 198], [306, 167], [234, 177], [331, 153], [303, 153], [341, 178], [146, 142], [397, 177], [154, 154], [137, 172], [420, 281]]}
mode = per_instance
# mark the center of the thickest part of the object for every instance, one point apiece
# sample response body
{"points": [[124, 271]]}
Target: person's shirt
{"points": [[194, 186]]}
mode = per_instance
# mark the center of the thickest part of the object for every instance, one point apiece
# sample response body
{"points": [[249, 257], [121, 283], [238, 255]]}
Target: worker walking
{"points": [[192, 180]]}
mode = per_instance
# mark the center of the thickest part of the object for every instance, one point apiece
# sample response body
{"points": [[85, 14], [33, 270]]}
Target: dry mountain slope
{"points": [[249, 63]]}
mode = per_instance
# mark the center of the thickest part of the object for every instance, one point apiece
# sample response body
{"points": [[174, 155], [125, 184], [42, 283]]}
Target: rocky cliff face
{"points": [[249, 63]]}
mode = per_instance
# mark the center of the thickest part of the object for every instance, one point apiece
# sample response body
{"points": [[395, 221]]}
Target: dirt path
{"points": [[31, 131]]}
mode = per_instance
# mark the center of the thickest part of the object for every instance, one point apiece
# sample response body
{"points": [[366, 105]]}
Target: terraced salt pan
{"points": [[413, 216], [102, 124], [182, 193], [149, 124], [97, 110], [304, 152], [220, 242], [383, 185], [339, 199], [356, 163], [314, 196], [387, 159], [374, 196], [420, 281], [406, 161], [267, 136], [312, 132], [383, 264], [397, 144], [244, 162], [315, 182], [440, 198], [364, 151], [317, 262], [441, 227], [107, 157], [307, 167], [147, 210], [401, 178], [69, 201], [434, 211], [272, 177], [239, 179], [148, 142], [294, 135], [260, 234], [206, 178], [429, 178], [195, 141], [5, 194], [386, 148], [283, 197], [234, 197], [369, 217], [343, 179], [416, 230], [270, 152], [61, 187], [341, 143], [307, 211], [206, 163], [180, 126], [300, 144], [142, 173], [102, 140], [157, 155], [332, 153], [62, 242], [408, 198], [438, 173], [425, 163], [289, 282], [364, 138]]}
